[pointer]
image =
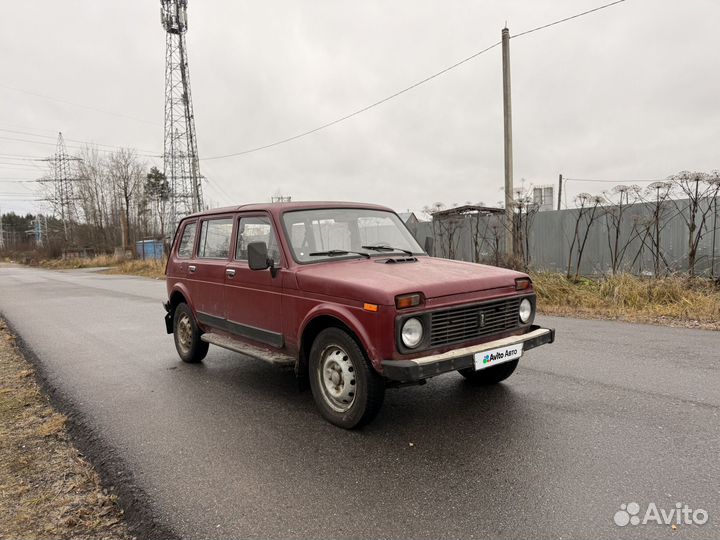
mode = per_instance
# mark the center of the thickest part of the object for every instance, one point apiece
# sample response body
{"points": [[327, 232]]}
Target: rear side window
{"points": [[187, 241], [215, 238]]}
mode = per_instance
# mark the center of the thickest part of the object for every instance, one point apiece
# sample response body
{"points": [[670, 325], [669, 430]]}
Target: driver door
{"points": [[254, 297]]}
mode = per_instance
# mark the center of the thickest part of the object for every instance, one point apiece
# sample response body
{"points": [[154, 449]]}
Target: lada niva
{"points": [[345, 295]]}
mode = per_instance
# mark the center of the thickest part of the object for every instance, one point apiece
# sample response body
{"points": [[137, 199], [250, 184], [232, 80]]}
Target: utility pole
{"points": [[2, 233], [559, 191], [507, 113]]}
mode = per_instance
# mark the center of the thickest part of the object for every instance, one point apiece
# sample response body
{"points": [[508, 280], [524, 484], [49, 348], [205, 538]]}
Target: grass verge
{"points": [[673, 301], [47, 489], [148, 268]]}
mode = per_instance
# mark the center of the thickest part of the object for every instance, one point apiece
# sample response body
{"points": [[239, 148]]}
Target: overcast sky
{"points": [[631, 92]]}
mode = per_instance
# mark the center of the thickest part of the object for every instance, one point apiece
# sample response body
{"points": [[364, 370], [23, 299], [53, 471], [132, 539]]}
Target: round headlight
{"points": [[525, 310], [412, 333]]}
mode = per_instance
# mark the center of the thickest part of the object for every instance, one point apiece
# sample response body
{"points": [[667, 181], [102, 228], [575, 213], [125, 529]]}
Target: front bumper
{"points": [[428, 366]]}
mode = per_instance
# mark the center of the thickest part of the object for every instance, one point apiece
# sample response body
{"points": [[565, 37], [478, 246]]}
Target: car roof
{"points": [[288, 206]]}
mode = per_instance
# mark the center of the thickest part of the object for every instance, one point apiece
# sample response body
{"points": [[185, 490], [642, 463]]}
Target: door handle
{"points": [[192, 268], [230, 272]]}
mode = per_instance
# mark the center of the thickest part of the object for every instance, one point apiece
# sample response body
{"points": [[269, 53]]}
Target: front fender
{"points": [[356, 319]]}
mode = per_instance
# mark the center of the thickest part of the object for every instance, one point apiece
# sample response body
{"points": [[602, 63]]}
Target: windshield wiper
{"points": [[336, 252], [388, 248]]}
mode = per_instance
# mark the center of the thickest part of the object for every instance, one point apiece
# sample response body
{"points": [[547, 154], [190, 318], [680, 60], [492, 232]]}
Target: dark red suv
{"points": [[344, 294]]}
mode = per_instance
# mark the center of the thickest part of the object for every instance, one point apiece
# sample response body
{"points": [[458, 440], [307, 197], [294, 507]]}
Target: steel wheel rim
{"points": [[336, 374], [184, 332]]}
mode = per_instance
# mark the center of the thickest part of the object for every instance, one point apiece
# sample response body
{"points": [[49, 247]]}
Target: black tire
{"points": [[187, 335], [489, 376], [356, 397]]}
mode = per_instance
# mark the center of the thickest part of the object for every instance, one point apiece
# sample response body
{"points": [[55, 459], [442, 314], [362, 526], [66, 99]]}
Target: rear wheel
{"points": [[346, 389], [491, 375], [187, 335]]}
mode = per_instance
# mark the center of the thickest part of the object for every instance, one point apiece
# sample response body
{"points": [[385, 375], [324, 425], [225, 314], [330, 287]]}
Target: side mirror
{"points": [[257, 256]]}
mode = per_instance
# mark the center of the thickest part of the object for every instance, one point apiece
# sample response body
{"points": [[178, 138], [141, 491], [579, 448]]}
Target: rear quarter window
{"points": [[215, 238]]}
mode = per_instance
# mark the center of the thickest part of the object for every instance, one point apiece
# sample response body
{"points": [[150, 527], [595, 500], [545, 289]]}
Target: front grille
{"points": [[471, 322]]}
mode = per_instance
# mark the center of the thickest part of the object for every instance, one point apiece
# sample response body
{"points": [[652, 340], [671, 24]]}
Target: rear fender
{"points": [[170, 305]]}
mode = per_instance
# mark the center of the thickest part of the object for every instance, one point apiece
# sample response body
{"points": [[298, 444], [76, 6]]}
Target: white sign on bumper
{"points": [[493, 357]]}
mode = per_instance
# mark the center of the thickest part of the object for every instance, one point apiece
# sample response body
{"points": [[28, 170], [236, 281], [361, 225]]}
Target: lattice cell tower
{"points": [[180, 155]]}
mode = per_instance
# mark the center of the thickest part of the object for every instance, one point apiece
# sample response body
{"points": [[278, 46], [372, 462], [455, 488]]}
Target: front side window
{"points": [[187, 242], [256, 229], [346, 229], [215, 236]]}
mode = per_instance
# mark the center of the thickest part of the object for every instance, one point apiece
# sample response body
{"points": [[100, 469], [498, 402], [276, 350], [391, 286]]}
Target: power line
{"points": [[18, 157], [74, 146], [219, 189], [566, 19], [404, 90], [19, 166], [43, 96], [4, 169], [21, 157], [359, 111], [30, 133], [609, 181]]}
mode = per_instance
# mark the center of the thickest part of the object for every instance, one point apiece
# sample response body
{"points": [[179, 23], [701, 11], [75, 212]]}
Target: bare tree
{"points": [[715, 180], [431, 209], [95, 195], [479, 230], [650, 229], [700, 191], [524, 212], [126, 174], [449, 228], [620, 198], [587, 213]]}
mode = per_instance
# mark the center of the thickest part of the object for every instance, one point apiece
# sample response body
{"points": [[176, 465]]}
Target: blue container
{"points": [[149, 249]]}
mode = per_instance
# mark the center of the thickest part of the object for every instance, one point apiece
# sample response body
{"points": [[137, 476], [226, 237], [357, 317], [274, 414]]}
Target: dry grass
{"points": [[148, 268], [47, 490], [68, 264], [676, 300]]}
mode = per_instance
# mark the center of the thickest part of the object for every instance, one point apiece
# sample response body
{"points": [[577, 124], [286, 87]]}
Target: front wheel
{"points": [[187, 335], [346, 389], [491, 375]]}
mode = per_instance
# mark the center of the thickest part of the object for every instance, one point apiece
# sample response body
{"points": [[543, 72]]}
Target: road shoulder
{"points": [[57, 478]]}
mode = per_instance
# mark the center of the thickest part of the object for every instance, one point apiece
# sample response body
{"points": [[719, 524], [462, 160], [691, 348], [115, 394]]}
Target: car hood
{"points": [[379, 282]]}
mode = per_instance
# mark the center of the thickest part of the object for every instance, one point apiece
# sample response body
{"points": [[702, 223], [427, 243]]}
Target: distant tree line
{"points": [[111, 201]]}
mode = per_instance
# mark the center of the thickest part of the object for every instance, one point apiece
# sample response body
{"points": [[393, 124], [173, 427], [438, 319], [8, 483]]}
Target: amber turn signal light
{"points": [[370, 307], [408, 300], [522, 283]]}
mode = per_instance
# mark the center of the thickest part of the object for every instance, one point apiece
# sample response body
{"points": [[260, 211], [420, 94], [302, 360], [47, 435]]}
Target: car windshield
{"points": [[333, 233]]}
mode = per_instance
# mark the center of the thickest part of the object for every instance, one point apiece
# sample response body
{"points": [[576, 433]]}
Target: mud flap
{"points": [[168, 317]]}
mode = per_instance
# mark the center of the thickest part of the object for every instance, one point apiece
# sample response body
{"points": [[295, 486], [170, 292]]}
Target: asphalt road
{"points": [[612, 413]]}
